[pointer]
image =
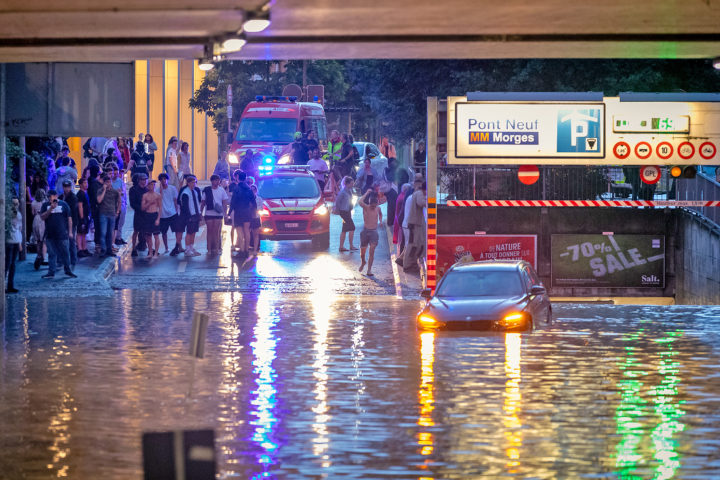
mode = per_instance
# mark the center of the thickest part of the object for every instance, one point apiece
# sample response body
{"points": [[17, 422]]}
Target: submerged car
{"points": [[293, 207], [497, 295]]}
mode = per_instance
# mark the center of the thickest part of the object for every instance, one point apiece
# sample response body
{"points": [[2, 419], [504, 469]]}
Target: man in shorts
{"points": [[190, 213], [343, 206], [151, 206], [169, 214], [372, 214]]}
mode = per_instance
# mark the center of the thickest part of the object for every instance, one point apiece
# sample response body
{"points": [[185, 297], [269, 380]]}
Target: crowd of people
{"points": [[74, 215]]}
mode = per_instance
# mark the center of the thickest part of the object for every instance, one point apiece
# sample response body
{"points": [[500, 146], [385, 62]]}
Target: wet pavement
{"points": [[337, 386], [313, 370]]}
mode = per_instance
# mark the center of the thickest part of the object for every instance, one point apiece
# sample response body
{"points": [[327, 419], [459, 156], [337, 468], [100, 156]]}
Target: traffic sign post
{"points": [[686, 150], [643, 150], [707, 150], [621, 150], [664, 150]]}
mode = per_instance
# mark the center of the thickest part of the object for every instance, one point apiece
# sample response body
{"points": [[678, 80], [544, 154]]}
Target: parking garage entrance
{"points": [[608, 197]]}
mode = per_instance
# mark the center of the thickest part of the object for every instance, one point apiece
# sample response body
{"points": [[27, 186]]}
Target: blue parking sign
{"points": [[579, 130]]}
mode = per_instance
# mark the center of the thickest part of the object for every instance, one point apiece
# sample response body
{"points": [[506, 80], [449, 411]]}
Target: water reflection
{"points": [[59, 426], [636, 414], [321, 323], [264, 347], [513, 401], [426, 398]]}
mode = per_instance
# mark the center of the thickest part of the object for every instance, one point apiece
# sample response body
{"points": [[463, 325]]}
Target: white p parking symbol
{"points": [[578, 125]]}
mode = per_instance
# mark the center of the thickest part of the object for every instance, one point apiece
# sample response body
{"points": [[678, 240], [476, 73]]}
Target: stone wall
{"points": [[698, 266]]}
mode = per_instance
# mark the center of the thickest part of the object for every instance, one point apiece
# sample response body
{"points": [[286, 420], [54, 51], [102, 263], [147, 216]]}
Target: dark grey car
{"points": [[504, 295]]}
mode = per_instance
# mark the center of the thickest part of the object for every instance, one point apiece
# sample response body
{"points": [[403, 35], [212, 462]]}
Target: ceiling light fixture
{"points": [[233, 44], [206, 62], [257, 20], [716, 63]]}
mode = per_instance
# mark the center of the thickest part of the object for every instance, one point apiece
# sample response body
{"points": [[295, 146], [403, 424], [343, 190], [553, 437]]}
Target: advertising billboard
{"points": [[452, 249], [526, 130], [614, 261]]}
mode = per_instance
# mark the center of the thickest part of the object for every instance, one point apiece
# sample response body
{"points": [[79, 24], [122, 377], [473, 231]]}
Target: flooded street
{"points": [[321, 386]]}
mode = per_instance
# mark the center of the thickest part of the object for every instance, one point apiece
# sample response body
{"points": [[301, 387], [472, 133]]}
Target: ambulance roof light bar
{"points": [[271, 98]]}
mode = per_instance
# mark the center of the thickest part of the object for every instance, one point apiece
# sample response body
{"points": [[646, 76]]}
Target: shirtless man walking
{"points": [[372, 214], [151, 205]]}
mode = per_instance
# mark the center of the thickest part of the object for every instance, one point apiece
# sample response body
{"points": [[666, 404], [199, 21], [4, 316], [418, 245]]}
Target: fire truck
{"points": [[267, 127]]}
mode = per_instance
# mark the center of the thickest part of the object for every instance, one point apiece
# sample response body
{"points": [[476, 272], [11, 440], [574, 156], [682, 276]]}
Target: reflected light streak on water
{"points": [[426, 397], [322, 312], [512, 401], [264, 347], [667, 408], [634, 415], [59, 426], [231, 408]]}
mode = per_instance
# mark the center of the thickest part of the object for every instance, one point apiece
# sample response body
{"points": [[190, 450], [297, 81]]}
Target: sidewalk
{"points": [[407, 285], [92, 272]]}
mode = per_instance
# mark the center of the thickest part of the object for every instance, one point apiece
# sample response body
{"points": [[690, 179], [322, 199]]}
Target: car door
{"points": [[544, 300]]}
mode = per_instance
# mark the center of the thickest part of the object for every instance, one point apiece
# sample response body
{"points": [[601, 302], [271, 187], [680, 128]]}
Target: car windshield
{"points": [[267, 130], [288, 187], [480, 283]]}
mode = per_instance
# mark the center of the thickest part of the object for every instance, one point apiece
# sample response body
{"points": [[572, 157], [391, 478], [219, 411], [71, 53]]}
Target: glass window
{"points": [[534, 277], [374, 150], [267, 130], [480, 283], [288, 187], [527, 279]]}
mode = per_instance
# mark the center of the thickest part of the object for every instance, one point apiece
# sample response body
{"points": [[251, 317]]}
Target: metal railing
{"points": [[556, 182], [702, 187]]}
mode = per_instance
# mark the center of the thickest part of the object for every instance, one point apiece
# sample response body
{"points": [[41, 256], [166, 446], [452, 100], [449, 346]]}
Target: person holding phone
{"points": [[58, 229]]}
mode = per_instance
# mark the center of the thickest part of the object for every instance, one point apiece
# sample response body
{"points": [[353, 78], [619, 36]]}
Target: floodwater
{"points": [[321, 386]]}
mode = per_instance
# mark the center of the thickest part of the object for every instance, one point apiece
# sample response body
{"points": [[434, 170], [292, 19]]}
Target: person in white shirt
{"points": [[190, 213], [169, 213], [214, 201], [318, 167], [170, 165]]}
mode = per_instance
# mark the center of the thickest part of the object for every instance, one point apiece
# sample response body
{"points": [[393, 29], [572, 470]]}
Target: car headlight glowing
{"points": [[427, 321], [263, 212], [232, 158], [321, 210], [514, 319], [268, 160], [285, 160]]}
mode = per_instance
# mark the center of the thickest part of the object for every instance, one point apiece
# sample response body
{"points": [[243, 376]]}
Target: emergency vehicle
{"points": [[267, 127]]}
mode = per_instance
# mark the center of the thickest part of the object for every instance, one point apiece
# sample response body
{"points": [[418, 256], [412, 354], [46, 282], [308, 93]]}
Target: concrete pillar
{"points": [[3, 166]]}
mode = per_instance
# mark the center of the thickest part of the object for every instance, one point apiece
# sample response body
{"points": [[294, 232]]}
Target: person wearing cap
{"points": [[299, 150], [151, 206], [71, 199], [135, 195]]}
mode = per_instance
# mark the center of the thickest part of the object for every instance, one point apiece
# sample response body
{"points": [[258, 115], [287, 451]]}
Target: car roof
{"points": [[289, 172], [491, 265]]}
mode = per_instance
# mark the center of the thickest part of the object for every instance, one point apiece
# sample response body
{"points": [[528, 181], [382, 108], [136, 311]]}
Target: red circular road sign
{"points": [[686, 150], [528, 174], [664, 150], [621, 150], [707, 150], [650, 174], [643, 150]]}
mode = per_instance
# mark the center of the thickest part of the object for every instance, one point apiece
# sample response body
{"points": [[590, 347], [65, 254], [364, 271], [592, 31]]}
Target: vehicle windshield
{"points": [[480, 283], [288, 187], [267, 130]]}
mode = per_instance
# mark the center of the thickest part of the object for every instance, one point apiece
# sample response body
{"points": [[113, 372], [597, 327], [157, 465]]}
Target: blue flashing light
{"points": [[316, 98], [268, 159], [258, 98]]}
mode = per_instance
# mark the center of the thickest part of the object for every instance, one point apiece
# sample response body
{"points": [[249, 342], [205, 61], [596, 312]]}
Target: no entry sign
{"points": [[528, 174], [650, 174]]}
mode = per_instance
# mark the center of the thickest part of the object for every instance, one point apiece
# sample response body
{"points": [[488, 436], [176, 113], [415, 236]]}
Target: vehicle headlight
{"points": [[354, 200], [232, 158], [285, 160], [263, 212], [321, 210], [428, 321], [515, 319]]}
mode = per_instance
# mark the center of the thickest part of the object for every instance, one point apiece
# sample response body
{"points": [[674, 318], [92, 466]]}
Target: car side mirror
{"points": [[538, 290], [426, 294]]}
